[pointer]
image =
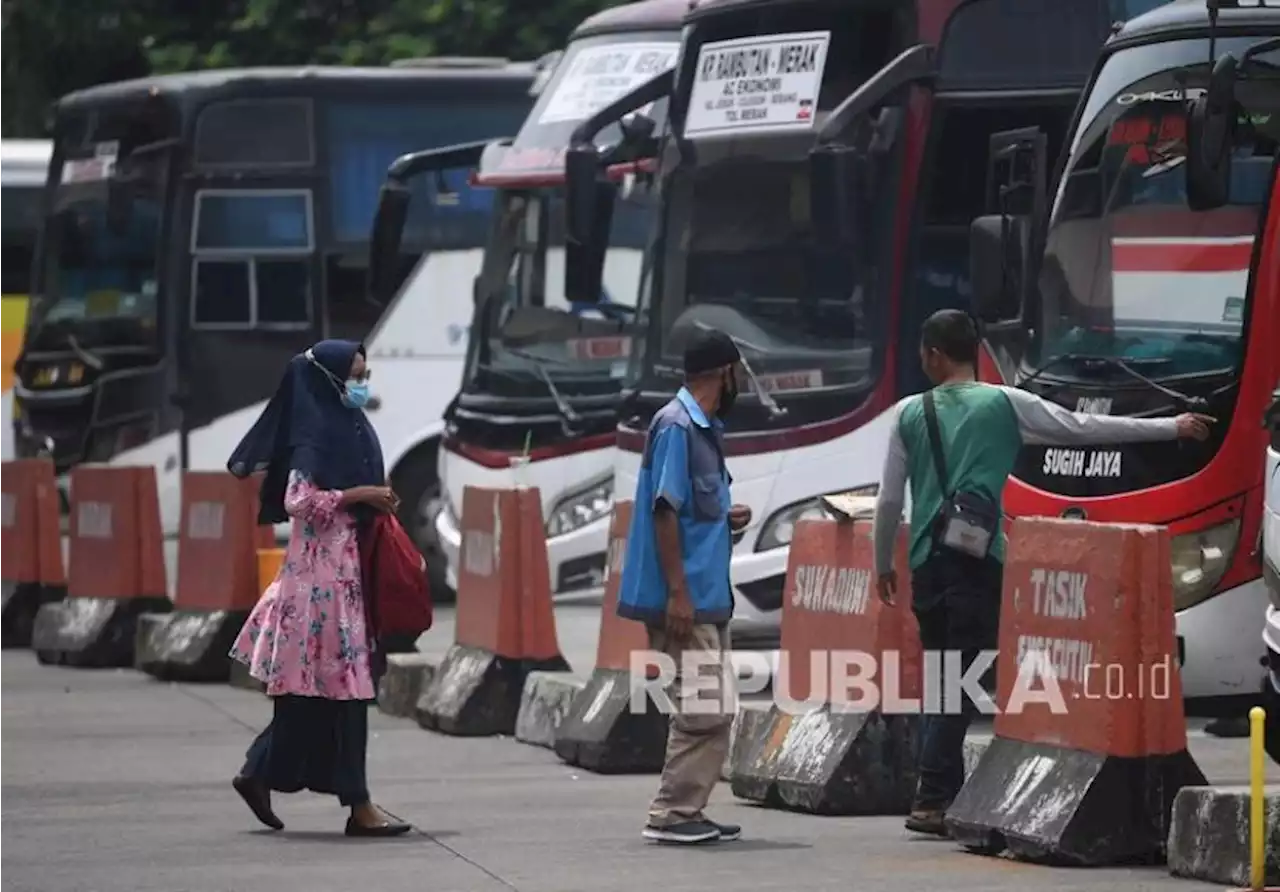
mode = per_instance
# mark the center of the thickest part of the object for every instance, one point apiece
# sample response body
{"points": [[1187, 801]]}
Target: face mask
{"points": [[356, 394], [728, 395]]}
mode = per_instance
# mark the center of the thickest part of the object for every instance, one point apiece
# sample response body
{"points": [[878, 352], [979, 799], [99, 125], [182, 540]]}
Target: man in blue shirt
{"points": [[676, 577]]}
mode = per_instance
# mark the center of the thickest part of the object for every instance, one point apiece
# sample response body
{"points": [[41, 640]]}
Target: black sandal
{"points": [[258, 798], [386, 828]]}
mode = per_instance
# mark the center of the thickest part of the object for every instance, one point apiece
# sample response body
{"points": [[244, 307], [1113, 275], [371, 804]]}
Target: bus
{"points": [[1149, 286], [201, 228], [24, 164], [541, 385], [825, 162], [1271, 564]]}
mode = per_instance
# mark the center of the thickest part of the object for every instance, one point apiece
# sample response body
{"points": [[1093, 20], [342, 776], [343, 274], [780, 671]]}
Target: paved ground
{"points": [[113, 782]]}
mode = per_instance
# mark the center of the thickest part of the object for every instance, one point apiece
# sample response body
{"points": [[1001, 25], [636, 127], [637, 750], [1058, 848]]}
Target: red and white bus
{"points": [[1150, 287], [824, 164]]}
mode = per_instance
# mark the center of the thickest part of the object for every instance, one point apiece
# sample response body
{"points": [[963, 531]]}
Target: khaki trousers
{"points": [[698, 739]]}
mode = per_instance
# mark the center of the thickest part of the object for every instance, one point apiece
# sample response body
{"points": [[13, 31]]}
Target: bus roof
{"points": [[700, 7], [199, 84], [535, 158], [1193, 15], [25, 162], [642, 16]]}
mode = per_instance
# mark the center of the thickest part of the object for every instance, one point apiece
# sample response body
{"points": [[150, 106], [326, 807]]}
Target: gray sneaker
{"points": [[728, 832], [686, 832]]}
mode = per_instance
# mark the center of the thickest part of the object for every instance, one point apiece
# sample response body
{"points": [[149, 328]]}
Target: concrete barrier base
{"points": [[752, 721], [601, 733], [21, 602], [1058, 806], [239, 677], [406, 677], [91, 632], [475, 693], [974, 747], [1209, 835], [545, 701], [748, 724], [185, 645], [824, 762]]}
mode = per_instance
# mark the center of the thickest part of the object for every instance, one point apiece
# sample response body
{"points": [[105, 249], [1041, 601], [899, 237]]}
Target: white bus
{"points": [[24, 163], [543, 372]]}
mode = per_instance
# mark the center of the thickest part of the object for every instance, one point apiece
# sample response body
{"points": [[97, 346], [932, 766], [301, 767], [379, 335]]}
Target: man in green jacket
{"points": [[956, 596]]}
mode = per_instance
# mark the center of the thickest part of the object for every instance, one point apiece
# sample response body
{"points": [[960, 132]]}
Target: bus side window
{"points": [[251, 259]]}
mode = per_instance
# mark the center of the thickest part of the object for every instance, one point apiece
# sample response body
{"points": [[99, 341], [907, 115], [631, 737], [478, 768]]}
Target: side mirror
{"points": [[995, 268], [1023, 152], [588, 218], [119, 211], [584, 260], [581, 177], [836, 194], [637, 136], [1211, 124], [384, 243]]}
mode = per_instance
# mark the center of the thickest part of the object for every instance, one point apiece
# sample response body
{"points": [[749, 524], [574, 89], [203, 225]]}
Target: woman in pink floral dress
{"points": [[308, 639]]}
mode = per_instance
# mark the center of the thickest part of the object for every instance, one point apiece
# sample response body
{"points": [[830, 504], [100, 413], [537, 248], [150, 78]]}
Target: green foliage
{"points": [[52, 47]]}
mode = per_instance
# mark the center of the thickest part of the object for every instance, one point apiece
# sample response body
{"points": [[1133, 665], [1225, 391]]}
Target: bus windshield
{"points": [[745, 259], [1130, 271], [738, 252], [100, 261], [20, 219], [739, 249], [528, 332]]}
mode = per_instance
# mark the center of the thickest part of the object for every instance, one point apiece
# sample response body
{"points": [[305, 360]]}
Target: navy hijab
{"points": [[305, 427]]}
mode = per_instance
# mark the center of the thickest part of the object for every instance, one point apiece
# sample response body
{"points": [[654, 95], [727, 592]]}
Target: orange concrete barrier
{"points": [[218, 541], [830, 606], [619, 637], [116, 543], [600, 732], [505, 625], [1090, 702], [117, 569], [843, 741], [31, 567], [539, 644]]}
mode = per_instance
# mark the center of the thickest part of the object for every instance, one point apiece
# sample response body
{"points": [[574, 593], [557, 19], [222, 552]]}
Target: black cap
{"points": [[709, 349]]}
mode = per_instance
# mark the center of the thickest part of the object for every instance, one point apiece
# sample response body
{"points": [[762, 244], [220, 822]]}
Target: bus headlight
{"points": [[581, 508], [781, 525], [1200, 559]]}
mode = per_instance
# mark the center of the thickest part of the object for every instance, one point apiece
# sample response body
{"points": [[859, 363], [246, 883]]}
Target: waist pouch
{"points": [[968, 522]]}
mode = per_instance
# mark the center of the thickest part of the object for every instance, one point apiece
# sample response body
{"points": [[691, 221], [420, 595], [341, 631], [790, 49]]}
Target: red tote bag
{"points": [[395, 575]]}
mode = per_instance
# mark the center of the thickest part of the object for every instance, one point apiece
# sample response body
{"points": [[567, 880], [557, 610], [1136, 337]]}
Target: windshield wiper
{"points": [[562, 405], [92, 360], [1087, 360], [766, 399]]}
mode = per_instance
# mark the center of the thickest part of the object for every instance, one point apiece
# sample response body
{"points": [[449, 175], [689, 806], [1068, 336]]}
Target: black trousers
{"points": [[956, 600], [313, 744]]}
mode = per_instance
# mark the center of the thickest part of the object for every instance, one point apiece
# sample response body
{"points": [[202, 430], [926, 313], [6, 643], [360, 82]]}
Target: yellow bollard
{"points": [[270, 560], [1257, 815]]}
